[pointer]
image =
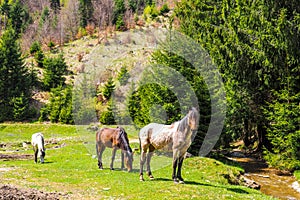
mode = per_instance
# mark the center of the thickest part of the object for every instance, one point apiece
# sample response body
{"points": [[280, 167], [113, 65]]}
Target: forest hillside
{"points": [[46, 44]]}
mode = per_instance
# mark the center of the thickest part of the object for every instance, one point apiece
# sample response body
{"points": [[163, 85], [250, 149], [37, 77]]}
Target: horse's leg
{"points": [[35, 154], [122, 160], [41, 157], [175, 164], [113, 158], [100, 148], [180, 161], [142, 161], [149, 155]]}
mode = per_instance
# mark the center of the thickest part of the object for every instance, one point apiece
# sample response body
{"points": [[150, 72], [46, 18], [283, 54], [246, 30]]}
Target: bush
{"points": [[120, 25], [123, 76], [164, 9], [107, 118], [39, 58], [35, 47], [150, 11]]}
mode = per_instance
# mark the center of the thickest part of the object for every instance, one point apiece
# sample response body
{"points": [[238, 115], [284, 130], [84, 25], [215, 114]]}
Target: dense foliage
{"points": [[256, 46]]}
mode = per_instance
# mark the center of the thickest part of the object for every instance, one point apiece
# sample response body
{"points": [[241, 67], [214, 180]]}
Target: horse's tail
{"points": [[140, 144], [98, 133]]}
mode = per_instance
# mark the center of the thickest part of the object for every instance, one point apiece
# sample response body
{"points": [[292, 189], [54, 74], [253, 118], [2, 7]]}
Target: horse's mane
{"points": [[123, 140]]}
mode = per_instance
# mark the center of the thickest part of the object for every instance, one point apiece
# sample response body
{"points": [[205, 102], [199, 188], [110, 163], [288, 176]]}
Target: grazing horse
{"points": [[178, 136], [115, 138], [37, 141]]}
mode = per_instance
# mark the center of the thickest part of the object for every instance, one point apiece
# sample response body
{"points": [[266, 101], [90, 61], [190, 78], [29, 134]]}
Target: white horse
{"points": [[177, 136], [37, 141]]}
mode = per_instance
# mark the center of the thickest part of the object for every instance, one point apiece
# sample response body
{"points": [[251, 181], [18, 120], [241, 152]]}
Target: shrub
{"points": [[120, 25], [164, 9], [35, 47]]}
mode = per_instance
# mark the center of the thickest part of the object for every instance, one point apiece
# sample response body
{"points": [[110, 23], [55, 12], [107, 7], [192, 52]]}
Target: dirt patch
{"points": [[15, 156], [13, 193]]}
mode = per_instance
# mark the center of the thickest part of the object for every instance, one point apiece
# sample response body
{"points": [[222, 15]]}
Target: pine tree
{"points": [[19, 17], [86, 10], [15, 78], [55, 69], [55, 6]]}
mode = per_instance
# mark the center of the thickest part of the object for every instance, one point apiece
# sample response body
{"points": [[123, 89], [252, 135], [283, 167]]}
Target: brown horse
{"points": [[178, 136], [115, 138]]}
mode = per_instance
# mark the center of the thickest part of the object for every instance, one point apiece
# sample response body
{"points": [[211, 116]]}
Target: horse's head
{"points": [[127, 151], [128, 158], [193, 119], [42, 155]]}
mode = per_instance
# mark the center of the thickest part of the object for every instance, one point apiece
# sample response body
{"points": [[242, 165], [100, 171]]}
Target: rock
{"points": [[249, 183], [283, 173], [237, 154], [296, 186]]}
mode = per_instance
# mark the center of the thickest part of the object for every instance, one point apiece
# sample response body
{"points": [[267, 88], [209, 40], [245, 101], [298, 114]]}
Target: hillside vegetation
{"points": [[48, 46]]}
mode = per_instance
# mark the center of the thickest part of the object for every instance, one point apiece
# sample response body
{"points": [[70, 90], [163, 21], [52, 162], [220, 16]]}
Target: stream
{"points": [[279, 186]]}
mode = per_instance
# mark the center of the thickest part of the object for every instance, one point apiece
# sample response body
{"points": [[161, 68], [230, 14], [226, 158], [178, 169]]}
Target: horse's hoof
{"points": [[181, 182], [112, 169], [175, 181], [151, 177]]}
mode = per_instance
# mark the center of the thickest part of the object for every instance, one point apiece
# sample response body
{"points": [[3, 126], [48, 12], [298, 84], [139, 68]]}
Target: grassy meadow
{"points": [[71, 168]]}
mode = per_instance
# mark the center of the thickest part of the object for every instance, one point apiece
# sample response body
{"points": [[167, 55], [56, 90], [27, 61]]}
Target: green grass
{"points": [[72, 169], [297, 175]]}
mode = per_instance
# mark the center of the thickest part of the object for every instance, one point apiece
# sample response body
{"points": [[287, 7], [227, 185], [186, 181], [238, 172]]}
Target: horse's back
{"points": [[107, 136], [159, 135], [36, 137], [37, 141]]}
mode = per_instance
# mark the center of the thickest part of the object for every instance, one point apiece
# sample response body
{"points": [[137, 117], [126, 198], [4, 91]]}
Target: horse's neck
{"points": [[183, 125], [124, 145]]}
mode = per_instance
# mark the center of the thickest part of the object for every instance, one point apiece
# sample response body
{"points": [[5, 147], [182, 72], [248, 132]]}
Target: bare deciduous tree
{"points": [[70, 19]]}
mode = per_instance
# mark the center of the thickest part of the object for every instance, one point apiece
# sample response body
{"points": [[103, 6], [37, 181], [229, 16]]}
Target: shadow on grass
{"points": [[236, 190], [120, 170], [48, 162]]}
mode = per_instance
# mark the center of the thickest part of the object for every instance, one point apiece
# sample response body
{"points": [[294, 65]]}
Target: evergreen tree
{"points": [[118, 12], [108, 89], [15, 79], [59, 108], [5, 10], [86, 10], [123, 75], [55, 6], [55, 69], [19, 17]]}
